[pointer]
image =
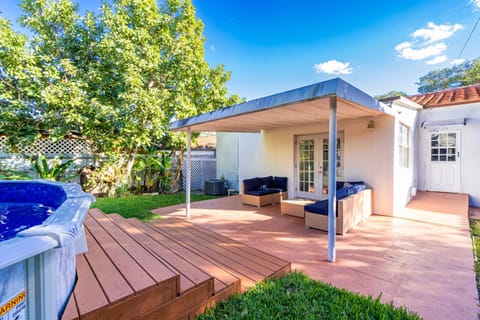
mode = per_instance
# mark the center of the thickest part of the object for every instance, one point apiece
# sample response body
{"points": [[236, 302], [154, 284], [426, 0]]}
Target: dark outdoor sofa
{"points": [[262, 191], [354, 204]]}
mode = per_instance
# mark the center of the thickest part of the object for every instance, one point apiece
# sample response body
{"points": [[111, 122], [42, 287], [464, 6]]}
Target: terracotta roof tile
{"points": [[450, 97]]}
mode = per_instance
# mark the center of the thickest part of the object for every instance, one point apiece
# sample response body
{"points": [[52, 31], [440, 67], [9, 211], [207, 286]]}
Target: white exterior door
{"points": [[443, 165], [311, 166]]}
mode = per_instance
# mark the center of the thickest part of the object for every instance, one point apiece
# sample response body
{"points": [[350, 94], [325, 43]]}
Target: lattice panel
{"points": [[202, 169], [45, 146]]}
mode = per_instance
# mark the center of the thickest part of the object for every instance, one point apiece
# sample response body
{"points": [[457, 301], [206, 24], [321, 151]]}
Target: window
{"points": [[404, 146]]}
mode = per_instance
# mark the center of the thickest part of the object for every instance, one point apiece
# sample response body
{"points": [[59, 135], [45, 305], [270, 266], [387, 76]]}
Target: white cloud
{"points": [[457, 61], [427, 43], [408, 52], [475, 3], [333, 67], [433, 33], [437, 59], [212, 47], [402, 46]]}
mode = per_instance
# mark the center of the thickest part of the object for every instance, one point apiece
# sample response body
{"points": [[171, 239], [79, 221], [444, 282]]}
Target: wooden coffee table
{"points": [[294, 207]]}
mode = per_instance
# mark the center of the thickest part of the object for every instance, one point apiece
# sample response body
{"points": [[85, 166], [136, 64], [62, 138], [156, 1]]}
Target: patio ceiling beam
{"points": [[189, 170], [332, 177]]}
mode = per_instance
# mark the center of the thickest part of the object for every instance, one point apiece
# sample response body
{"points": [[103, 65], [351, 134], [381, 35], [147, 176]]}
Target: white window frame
{"points": [[404, 144]]}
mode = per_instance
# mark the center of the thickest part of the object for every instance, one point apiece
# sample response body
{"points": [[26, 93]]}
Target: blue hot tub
{"points": [[41, 231]]}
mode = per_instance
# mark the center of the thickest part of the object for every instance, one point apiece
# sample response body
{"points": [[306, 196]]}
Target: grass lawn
{"points": [[296, 296], [475, 232], [140, 206]]}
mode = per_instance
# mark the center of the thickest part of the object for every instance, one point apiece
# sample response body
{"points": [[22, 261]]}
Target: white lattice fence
{"points": [[45, 146], [68, 148], [202, 169]]}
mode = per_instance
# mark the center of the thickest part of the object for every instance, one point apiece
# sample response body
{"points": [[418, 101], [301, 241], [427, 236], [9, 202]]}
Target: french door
{"points": [[311, 165]]}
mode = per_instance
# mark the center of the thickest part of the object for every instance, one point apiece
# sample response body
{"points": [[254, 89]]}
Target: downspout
{"points": [[189, 167], [332, 177]]}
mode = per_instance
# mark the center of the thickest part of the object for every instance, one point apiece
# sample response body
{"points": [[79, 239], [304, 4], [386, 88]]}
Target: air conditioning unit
{"points": [[214, 187]]}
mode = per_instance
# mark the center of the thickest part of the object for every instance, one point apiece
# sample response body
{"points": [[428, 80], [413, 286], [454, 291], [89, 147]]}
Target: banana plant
{"points": [[55, 170], [8, 174]]}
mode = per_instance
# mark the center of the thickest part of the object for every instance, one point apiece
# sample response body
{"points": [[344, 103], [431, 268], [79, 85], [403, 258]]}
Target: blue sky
{"points": [[379, 46]]}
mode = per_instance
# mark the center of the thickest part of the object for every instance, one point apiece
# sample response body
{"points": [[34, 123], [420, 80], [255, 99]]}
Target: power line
{"points": [[469, 37]]}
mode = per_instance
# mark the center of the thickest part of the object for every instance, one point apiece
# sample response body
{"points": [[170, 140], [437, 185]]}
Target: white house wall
{"points": [[368, 155], [251, 161], [227, 158], [405, 178], [470, 148]]}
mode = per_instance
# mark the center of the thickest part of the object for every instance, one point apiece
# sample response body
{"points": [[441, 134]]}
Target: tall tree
{"points": [[118, 77], [444, 78], [473, 75]]}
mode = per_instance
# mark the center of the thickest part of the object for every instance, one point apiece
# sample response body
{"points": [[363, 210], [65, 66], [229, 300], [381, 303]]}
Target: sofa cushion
{"points": [[266, 182], [343, 193], [358, 187], [340, 184], [319, 207], [253, 184], [354, 183], [260, 192], [280, 183]]}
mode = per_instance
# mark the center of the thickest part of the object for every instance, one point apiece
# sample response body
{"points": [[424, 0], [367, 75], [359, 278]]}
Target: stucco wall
{"points": [[470, 148], [405, 178], [227, 158], [368, 155], [251, 162]]}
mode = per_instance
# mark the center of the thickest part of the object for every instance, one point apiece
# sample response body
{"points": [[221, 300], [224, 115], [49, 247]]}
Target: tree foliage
{"points": [[391, 94], [118, 76], [473, 75], [448, 77]]}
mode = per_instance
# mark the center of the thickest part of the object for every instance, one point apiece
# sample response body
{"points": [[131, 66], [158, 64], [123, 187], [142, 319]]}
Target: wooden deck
{"points": [[168, 269]]}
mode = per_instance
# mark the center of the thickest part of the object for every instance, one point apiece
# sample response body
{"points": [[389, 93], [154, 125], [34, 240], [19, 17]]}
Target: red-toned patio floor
{"points": [[421, 259]]}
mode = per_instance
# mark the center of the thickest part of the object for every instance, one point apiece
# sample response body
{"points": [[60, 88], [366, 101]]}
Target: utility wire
{"points": [[469, 37]]}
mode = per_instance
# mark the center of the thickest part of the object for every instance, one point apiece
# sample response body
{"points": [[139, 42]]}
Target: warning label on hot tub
{"points": [[14, 308]]}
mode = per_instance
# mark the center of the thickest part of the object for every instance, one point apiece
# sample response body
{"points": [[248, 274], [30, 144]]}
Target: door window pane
{"points": [[443, 146]]}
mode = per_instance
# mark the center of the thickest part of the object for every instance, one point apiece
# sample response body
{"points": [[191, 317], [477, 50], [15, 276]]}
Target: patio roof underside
{"points": [[300, 106]]}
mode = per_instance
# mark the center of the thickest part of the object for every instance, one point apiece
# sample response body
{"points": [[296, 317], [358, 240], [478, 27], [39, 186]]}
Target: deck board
{"points": [[88, 293], [155, 268], [236, 251], [187, 263], [131, 271], [109, 277], [252, 270], [171, 269], [222, 277], [255, 253]]}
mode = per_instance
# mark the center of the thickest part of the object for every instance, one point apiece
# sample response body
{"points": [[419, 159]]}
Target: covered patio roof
{"points": [[330, 101], [301, 106]]}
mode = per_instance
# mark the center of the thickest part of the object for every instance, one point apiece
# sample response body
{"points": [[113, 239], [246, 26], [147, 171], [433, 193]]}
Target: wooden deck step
{"points": [[118, 279], [166, 269], [249, 268], [248, 256], [178, 255]]}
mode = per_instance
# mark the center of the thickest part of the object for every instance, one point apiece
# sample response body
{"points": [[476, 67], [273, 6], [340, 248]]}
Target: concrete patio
{"points": [[421, 259]]}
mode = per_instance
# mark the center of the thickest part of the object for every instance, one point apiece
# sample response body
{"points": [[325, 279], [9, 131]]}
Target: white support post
{"points": [[332, 178], [189, 171], [41, 288]]}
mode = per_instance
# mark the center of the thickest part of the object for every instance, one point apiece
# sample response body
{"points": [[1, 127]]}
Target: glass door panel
{"points": [[306, 186]]}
